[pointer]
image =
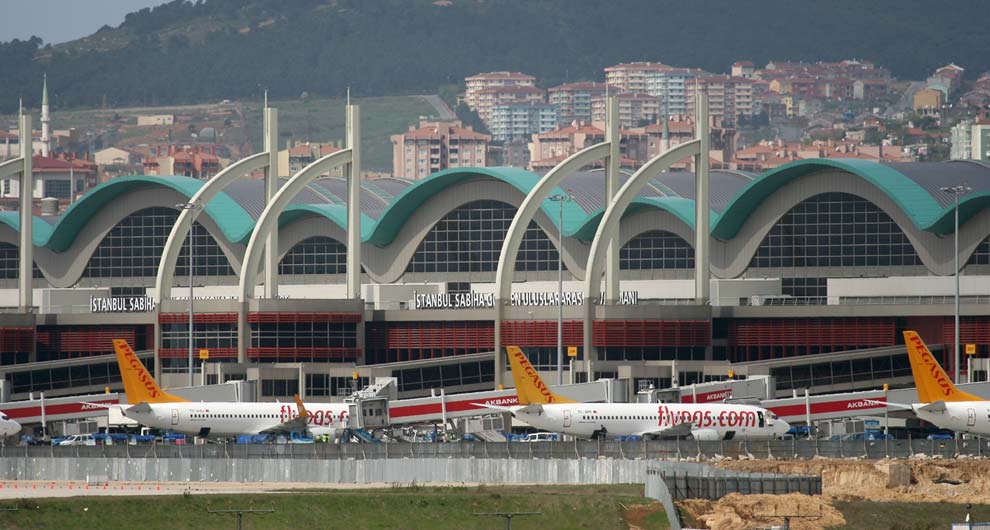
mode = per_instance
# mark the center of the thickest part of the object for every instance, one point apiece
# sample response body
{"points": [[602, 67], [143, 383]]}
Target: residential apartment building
{"points": [[563, 142], [520, 121], [437, 145], [635, 109], [295, 158], [662, 81], [971, 141], [929, 101], [488, 98], [633, 77], [483, 81], [728, 97], [192, 162], [573, 100], [869, 89], [948, 77]]}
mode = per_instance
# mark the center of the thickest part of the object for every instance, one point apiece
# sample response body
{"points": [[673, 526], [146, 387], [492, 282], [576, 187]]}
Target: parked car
{"points": [[541, 437], [78, 439]]}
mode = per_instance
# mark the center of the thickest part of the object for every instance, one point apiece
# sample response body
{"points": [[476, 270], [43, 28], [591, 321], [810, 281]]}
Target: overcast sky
{"points": [[58, 21]]}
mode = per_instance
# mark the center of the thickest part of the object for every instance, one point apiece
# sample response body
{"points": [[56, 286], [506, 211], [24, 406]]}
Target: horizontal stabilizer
{"points": [[937, 406]]}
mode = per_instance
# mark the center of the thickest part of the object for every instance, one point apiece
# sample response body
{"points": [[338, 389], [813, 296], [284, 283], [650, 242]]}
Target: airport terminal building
{"points": [[816, 268]]}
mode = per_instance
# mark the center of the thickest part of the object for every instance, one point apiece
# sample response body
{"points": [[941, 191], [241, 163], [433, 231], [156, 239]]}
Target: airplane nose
{"points": [[781, 427]]}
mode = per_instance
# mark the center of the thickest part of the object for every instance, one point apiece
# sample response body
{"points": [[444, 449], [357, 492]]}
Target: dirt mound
{"points": [[635, 514], [742, 512], [914, 480]]}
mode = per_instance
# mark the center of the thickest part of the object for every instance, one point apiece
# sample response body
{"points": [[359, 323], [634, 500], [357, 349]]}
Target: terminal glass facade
{"points": [[315, 255], [656, 249], [980, 256], [469, 239], [9, 259], [835, 230], [134, 247]]}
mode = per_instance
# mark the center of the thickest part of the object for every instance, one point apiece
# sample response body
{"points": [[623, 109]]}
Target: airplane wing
{"points": [[529, 409], [890, 404], [677, 431], [298, 424]]}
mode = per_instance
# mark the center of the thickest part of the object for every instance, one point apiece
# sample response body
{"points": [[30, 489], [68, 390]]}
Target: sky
{"points": [[58, 21]]}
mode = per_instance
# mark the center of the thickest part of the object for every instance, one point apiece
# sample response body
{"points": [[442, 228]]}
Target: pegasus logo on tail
{"points": [[139, 385], [530, 387], [932, 382]]}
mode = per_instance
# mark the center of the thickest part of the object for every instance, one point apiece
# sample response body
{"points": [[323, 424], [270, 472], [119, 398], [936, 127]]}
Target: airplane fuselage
{"points": [[705, 421], [972, 417], [8, 427], [233, 419]]}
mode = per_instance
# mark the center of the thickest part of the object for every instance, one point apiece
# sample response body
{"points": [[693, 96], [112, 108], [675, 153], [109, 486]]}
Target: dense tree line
{"points": [[406, 46]]}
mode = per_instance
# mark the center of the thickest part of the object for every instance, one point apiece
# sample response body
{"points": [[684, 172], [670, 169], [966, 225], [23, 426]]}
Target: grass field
{"points": [[322, 120], [867, 515], [563, 507]]}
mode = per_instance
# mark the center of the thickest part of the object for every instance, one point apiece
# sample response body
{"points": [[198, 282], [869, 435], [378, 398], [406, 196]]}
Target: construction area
{"points": [[914, 481]]}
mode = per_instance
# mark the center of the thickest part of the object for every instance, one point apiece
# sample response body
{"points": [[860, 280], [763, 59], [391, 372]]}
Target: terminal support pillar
{"points": [[612, 136], [354, 217], [702, 232], [354, 203], [26, 250], [271, 186]]}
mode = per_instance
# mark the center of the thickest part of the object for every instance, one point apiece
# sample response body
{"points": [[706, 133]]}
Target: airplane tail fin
{"points": [[932, 382], [139, 385], [530, 388]]}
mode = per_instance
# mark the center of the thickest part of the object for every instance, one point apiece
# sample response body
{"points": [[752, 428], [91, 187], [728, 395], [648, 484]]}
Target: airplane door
{"points": [[175, 416], [567, 418], [971, 417]]}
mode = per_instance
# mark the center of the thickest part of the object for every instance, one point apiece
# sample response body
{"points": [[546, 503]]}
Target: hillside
{"points": [[186, 52]]}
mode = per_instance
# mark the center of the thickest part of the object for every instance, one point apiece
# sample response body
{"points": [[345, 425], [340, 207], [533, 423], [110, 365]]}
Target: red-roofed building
{"points": [[435, 146], [497, 80], [189, 161], [295, 158], [61, 178], [485, 99]]}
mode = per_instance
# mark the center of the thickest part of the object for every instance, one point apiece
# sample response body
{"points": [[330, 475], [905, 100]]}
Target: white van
{"points": [[541, 437], [79, 439]]}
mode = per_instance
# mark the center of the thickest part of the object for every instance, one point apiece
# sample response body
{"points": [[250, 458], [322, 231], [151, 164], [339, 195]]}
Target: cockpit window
{"points": [[759, 416]]}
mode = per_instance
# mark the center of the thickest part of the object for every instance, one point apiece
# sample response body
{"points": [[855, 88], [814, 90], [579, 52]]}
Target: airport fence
{"points": [[577, 449], [713, 486]]}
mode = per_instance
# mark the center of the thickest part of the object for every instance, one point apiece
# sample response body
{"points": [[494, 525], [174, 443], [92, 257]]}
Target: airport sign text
{"points": [[475, 300], [132, 304]]}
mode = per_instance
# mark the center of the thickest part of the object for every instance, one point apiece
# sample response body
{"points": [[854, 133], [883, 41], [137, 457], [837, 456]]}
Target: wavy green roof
{"points": [[912, 199], [403, 206], [680, 207], [237, 225]]}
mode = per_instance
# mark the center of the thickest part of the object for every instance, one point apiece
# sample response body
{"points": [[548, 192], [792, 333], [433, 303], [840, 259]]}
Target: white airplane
{"points": [[8, 427], [940, 402], [543, 409], [153, 407]]}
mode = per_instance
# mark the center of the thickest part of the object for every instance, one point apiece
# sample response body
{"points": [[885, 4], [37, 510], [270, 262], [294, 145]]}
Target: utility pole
{"points": [[957, 190], [560, 199]]}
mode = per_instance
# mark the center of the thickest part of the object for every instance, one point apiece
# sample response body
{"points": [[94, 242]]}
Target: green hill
{"points": [[185, 52]]}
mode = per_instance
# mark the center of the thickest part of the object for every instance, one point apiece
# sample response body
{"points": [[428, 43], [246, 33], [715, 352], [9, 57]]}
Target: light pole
{"points": [[957, 190], [192, 207], [560, 199]]}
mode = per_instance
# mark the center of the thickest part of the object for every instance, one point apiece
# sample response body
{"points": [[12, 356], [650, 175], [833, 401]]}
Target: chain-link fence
{"points": [[578, 449]]}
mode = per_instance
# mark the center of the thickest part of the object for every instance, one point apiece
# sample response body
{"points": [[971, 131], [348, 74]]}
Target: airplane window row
{"points": [[593, 418], [232, 416]]}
